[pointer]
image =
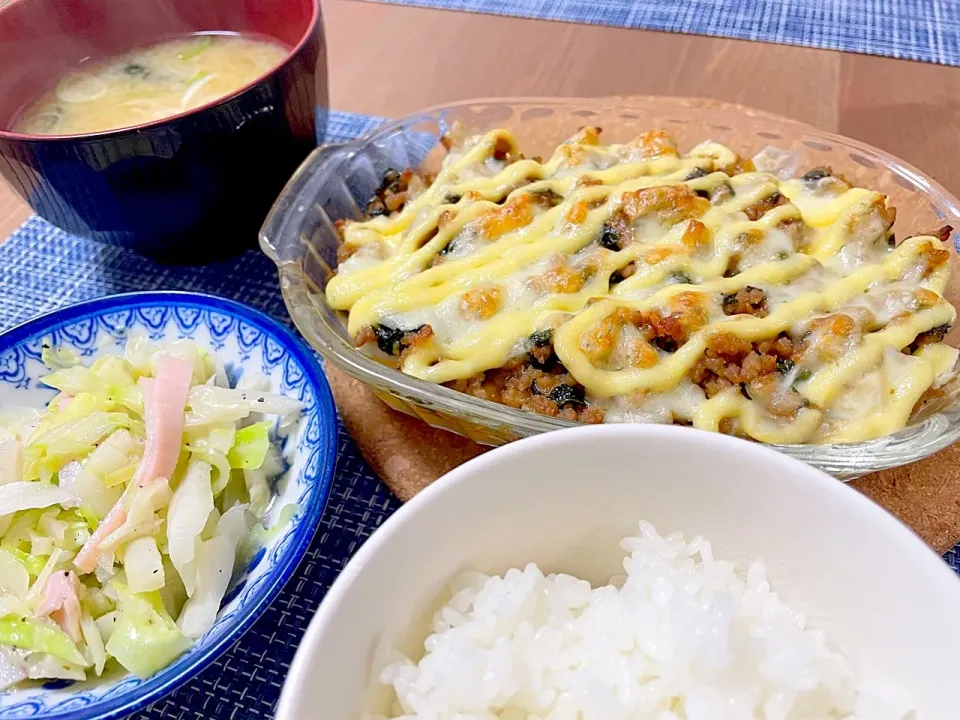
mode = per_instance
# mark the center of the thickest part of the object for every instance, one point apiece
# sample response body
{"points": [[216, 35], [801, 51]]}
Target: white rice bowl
{"points": [[683, 636], [861, 615]]}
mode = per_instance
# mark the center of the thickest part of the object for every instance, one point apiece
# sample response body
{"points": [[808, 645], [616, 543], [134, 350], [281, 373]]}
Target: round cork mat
{"points": [[408, 455]]}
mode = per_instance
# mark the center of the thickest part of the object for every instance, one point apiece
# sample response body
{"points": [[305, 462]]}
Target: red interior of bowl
{"points": [[40, 40]]}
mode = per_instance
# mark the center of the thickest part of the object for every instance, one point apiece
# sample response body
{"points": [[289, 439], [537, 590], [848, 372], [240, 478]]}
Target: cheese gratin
{"points": [[634, 283]]}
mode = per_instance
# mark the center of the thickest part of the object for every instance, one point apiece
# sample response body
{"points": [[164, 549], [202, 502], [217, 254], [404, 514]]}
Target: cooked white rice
{"points": [[685, 636]]}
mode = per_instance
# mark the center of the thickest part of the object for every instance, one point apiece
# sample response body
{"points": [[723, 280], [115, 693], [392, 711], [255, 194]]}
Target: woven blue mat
{"points": [[43, 268], [927, 30]]}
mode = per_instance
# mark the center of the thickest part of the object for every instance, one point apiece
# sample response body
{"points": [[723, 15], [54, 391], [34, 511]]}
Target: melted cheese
{"points": [[536, 235]]}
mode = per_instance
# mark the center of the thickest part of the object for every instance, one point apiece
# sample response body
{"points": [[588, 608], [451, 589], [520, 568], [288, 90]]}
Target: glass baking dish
{"points": [[336, 182]]}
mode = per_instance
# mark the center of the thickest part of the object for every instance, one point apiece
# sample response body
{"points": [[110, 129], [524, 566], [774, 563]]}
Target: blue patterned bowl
{"points": [[246, 340]]}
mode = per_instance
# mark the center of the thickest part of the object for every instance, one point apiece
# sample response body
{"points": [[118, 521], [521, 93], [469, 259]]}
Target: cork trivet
{"points": [[925, 495], [408, 455], [404, 451]]}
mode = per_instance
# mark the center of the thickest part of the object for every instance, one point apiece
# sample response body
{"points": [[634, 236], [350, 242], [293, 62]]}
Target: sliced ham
{"points": [[62, 603], [164, 404], [86, 559]]}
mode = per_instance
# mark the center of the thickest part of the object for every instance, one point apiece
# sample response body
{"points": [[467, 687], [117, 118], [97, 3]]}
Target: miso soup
{"points": [[150, 84]]}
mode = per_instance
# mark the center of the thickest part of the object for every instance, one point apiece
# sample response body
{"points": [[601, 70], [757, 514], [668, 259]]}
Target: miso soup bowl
{"points": [[565, 499], [183, 189]]}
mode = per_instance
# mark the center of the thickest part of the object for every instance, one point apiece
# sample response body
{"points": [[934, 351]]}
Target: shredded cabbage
{"points": [[260, 535], [18, 496], [11, 458], [58, 357], [105, 625], [107, 470], [96, 653], [143, 565], [51, 565], [218, 439], [189, 351], [108, 382], [250, 448], [144, 638], [173, 593], [143, 514], [219, 377], [258, 490], [40, 636], [14, 577], [209, 404], [96, 601], [190, 507], [48, 450], [127, 503], [44, 665], [273, 463], [13, 668], [214, 568], [31, 563], [18, 420], [253, 381]]}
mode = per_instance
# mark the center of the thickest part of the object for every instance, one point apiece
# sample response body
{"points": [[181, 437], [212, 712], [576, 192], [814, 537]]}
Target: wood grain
{"points": [[910, 109], [456, 56], [13, 211]]}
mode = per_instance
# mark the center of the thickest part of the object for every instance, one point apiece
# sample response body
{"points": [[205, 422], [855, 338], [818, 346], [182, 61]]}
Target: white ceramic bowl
{"points": [[565, 499]]}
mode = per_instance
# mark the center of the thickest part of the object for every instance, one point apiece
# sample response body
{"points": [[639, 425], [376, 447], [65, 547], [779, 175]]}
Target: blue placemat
{"points": [[927, 30], [42, 268]]}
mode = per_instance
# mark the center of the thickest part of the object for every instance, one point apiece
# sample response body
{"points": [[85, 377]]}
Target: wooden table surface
{"points": [[390, 60]]}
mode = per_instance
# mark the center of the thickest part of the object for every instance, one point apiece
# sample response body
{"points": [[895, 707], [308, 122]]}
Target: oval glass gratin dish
{"points": [[336, 182]]}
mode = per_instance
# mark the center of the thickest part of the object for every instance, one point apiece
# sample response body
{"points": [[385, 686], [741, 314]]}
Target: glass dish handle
{"points": [[281, 236]]}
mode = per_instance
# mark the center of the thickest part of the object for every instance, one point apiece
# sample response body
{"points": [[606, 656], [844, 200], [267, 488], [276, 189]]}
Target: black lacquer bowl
{"points": [[184, 189]]}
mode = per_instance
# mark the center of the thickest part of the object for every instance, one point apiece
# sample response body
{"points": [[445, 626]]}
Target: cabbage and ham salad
{"points": [[125, 507]]}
